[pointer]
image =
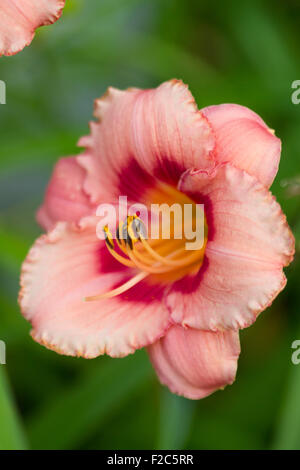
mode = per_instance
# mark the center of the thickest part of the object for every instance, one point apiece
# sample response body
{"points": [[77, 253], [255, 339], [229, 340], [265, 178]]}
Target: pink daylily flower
{"points": [[20, 18], [188, 315]]}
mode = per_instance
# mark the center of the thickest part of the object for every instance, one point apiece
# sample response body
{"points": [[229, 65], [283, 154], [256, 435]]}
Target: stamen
{"points": [[155, 269], [160, 268], [119, 290], [165, 260], [111, 248], [119, 258], [119, 240]]}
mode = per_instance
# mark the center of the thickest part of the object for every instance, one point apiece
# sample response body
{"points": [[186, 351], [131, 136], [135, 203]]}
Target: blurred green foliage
{"points": [[243, 52]]}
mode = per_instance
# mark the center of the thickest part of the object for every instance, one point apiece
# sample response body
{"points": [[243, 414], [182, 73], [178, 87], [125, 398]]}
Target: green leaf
{"points": [[73, 416], [288, 430], [175, 421], [11, 433]]}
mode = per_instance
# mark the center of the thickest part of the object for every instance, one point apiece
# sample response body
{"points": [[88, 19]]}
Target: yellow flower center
{"points": [[169, 255]]}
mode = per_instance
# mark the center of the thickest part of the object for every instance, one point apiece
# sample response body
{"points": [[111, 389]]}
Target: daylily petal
{"points": [[249, 242], [65, 266], [20, 18], [143, 134], [244, 139], [65, 199], [195, 363]]}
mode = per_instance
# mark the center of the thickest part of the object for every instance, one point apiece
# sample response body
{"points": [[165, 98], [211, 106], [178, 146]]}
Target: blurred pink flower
{"points": [[20, 18], [149, 145]]}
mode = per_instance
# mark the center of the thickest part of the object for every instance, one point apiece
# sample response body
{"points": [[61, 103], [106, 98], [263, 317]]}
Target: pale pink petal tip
{"points": [[156, 132], [63, 268], [195, 363], [20, 18], [65, 199], [245, 140]]}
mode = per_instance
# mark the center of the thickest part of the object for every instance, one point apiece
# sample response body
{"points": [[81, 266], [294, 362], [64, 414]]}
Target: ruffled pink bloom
{"points": [[20, 18], [189, 317]]}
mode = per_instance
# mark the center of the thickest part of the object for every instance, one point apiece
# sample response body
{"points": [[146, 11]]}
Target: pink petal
{"points": [[141, 134], [249, 242], [244, 139], [65, 266], [20, 18], [195, 363], [65, 199]]}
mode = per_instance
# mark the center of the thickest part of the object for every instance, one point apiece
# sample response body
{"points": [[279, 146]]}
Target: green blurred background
{"points": [[244, 52]]}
